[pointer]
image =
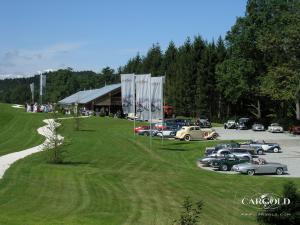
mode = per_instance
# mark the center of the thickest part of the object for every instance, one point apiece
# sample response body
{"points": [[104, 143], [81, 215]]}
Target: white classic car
{"points": [[275, 128]]}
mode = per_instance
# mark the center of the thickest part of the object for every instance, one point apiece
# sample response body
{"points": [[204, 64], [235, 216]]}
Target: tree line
{"points": [[59, 84], [254, 71]]}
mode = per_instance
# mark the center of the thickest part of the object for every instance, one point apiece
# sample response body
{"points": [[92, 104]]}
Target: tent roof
{"points": [[83, 97]]}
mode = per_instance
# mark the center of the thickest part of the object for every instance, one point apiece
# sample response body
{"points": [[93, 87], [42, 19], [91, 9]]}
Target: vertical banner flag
{"points": [[128, 93], [32, 91], [143, 96], [42, 83], [157, 97]]}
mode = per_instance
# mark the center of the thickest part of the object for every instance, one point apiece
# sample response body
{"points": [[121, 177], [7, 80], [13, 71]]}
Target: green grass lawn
{"points": [[18, 129], [112, 177]]}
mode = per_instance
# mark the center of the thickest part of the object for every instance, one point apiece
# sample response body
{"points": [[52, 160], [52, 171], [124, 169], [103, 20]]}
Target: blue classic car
{"points": [[265, 146]]}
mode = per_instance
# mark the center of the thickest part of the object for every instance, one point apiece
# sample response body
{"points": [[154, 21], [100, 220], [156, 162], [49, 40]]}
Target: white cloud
{"points": [[24, 62]]}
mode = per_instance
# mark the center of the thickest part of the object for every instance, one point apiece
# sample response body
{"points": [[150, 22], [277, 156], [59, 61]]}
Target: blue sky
{"points": [[88, 35]]}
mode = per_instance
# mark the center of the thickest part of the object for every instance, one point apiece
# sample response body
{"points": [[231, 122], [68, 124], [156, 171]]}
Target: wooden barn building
{"points": [[107, 98]]}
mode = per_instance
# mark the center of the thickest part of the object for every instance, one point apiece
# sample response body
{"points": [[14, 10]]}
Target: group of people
{"points": [[34, 107]]}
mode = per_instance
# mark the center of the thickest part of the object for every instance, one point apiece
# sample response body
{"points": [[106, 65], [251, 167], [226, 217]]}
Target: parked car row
{"points": [[247, 123], [181, 129], [242, 157]]}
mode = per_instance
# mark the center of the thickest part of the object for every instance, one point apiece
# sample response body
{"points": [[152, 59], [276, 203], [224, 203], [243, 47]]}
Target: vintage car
{"points": [[228, 162], [210, 150], [231, 124], [258, 127], [246, 151], [260, 167], [265, 146], [206, 161], [178, 122], [147, 132], [203, 122], [222, 153], [166, 133], [189, 133], [139, 128], [160, 125], [275, 128], [244, 123], [236, 147], [295, 130]]}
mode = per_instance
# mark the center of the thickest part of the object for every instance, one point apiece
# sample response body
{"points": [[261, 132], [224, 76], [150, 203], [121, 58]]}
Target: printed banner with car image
{"points": [[128, 92], [157, 97], [136, 89], [142, 83]]}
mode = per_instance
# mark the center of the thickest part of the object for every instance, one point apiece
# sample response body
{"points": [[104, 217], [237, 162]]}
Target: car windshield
{"points": [[259, 161], [243, 120], [230, 156], [274, 124]]}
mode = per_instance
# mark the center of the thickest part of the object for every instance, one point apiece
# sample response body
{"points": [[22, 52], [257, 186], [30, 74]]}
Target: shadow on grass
{"points": [[178, 143], [87, 130], [70, 163], [174, 149]]}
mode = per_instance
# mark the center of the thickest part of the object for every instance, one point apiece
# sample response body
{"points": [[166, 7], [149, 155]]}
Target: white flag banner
{"points": [[157, 97], [128, 93], [42, 83], [32, 88], [32, 91], [143, 96]]}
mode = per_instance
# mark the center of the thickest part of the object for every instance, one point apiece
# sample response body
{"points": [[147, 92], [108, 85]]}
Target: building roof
{"points": [[83, 97]]}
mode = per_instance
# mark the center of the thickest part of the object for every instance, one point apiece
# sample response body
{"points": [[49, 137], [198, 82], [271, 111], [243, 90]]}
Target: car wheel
{"points": [[250, 172], [260, 152], [214, 136], [247, 157], [146, 134], [279, 171], [224, 167], [187, 137], [276, 150]]}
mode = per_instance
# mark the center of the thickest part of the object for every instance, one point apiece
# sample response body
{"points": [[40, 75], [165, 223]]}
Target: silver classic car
{"points": [[275, 128], [260, 166], [258, 127]]}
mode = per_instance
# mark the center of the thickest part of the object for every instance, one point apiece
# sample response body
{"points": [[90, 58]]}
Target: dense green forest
{"points": [[254, 71]]}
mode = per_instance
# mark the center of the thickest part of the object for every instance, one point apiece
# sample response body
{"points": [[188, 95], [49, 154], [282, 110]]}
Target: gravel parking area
{"points": [[290, 145]]}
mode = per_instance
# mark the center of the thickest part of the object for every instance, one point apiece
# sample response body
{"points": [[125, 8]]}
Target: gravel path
{"points": [[46, 131]]}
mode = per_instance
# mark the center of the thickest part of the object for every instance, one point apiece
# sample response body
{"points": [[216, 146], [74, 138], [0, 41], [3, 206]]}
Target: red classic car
{"points": [[137, 129], [295, 130]]}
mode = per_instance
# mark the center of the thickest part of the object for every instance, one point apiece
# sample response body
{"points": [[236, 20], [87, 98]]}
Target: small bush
{"points": [[191, 213]]}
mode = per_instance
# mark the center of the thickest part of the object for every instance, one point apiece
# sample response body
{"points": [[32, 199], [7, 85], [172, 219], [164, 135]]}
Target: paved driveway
{"points": [[290, 145]]}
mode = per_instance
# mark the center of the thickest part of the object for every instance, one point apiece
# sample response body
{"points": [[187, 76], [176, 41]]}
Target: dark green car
{"points": [[228, 162]]}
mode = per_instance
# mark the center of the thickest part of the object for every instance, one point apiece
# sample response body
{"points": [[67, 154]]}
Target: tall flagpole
{"points": [[41, 88], [150, 112], [134, 105], [163, 114]]}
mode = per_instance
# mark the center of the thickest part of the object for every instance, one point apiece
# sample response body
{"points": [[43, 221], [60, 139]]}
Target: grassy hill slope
{"points": [[18, 129], [111, 177]]}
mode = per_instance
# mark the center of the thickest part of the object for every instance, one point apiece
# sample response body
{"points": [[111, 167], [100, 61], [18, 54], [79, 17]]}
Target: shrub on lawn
{"points": [[191, 213]]}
